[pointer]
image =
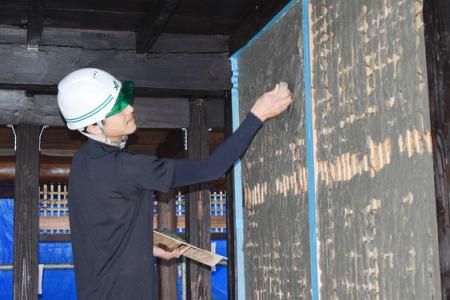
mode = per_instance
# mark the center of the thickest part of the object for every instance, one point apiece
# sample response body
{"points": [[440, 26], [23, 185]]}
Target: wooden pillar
{"points": [[437, 28], [26, 213], [198, 209], [231, 246], [167, 269]]}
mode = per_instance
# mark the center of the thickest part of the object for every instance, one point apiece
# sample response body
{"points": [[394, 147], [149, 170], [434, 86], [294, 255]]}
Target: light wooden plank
{"points": [[62, 222]]}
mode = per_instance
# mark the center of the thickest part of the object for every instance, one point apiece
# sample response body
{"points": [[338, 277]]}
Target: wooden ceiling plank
{"points": [[151, 26], [36, 10]]}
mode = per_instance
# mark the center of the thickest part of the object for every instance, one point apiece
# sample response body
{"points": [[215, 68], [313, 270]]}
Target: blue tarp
{"points": [[219, 276], [6, 247], [60, 284]]}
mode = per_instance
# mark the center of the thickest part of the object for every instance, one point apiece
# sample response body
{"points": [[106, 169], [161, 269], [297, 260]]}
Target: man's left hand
{"points": [[166, 255]]}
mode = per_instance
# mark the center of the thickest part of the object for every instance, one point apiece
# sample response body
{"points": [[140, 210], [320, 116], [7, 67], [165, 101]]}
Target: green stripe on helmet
{"points": [[92, 112]]}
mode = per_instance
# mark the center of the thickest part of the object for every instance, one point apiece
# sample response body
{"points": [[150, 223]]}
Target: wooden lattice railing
{"points": [[54, 213]]}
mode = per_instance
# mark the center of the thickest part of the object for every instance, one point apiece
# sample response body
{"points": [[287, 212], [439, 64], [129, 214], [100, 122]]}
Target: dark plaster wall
{"points": [[376, 211], [375, 194], [274, 169]]}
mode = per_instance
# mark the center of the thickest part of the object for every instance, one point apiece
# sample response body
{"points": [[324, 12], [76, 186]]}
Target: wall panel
{"points": [[374, 199], [274, 169], [375, 193]]}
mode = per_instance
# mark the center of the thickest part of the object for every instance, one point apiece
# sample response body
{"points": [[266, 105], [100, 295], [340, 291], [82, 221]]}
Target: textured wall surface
{"points": [[375, 192], [375, 206], [274, 170]]}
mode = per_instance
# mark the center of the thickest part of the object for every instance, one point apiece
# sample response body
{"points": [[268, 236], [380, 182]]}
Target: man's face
{"points": [[120, 124]]}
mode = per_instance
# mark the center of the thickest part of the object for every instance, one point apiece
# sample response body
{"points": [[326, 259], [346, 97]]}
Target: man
{"points": [[110, 203]]}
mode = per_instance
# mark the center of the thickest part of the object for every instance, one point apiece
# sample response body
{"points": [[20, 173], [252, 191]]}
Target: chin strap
{"points": [[104, 139]]}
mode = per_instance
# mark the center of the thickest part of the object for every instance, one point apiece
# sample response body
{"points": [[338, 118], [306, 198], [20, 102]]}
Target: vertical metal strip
{"points": [[238, 196], [310, 152]]}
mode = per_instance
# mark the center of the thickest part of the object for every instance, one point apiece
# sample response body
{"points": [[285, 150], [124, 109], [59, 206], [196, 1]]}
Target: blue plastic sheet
{"points": [[50, 253], [219, 276], [6, 285], [6, 231], [60, 284], [56, 284], [6, 246]]}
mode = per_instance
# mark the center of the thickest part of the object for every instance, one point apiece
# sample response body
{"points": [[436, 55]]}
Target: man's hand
{"points": [[272, 103], [166, 255]]}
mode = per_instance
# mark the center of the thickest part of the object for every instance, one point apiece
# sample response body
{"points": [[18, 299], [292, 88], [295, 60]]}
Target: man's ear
{"points": [[94, 129]]}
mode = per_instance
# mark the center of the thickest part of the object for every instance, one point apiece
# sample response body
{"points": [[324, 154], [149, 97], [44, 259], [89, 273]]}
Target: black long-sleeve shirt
{"points": [[188, 172], [111, 210]]}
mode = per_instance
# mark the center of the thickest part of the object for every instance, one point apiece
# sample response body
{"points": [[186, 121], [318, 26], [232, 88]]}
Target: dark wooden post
{"points": [[167, 269], [173, 147], [198, 205], [26, 213], [437, 29], [36, 11], [231, 272]]}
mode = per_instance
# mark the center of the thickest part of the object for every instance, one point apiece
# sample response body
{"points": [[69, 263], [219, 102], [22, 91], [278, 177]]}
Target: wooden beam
{"points": [[54, 223], [167, 43], [62, 222], [59, 143], [197, 17], [216, 222], [7, 168], [16, 107], [99, 5], [198, 205], [56, 237], [51, 169], [92, 18], [143, 92], [194, 17], [55, 159], [26, 213], [262, 14], [118, 40], [151, 26], [14, 15], [183, 71], [35, 24]]}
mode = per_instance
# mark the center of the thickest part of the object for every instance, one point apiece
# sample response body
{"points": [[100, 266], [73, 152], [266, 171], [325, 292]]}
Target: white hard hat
{"points": [[86, 96]]}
